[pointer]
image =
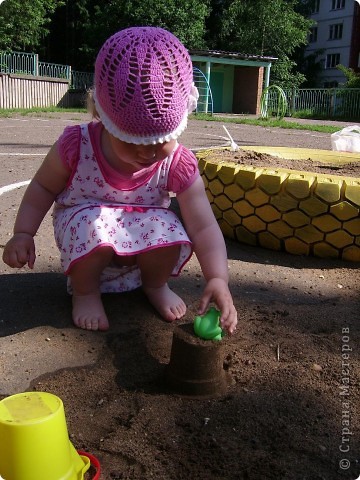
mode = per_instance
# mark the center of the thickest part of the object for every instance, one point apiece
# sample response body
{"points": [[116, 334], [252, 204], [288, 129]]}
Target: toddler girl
{"points": [[110, 180]]}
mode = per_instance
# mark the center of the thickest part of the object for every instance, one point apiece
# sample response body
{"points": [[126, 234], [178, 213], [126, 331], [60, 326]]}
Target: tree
{"points": [[352, 78], [69, 32], [310, 65], [80, 27], [24, 23], [185, 19], [268, 28]]}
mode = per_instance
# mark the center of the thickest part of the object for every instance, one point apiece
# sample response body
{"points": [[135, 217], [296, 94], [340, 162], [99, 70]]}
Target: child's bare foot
{"points": [[88, 312], [167, 303]]}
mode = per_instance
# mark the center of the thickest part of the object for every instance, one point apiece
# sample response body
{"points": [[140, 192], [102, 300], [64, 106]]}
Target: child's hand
{"points": [[217, 290], [19, 251]]}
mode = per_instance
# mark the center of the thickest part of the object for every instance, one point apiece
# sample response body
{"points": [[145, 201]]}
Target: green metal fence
{"points": [[330, 103], [22, 63], [19, 63], [341, 103], [54, 70], [81, 80]]}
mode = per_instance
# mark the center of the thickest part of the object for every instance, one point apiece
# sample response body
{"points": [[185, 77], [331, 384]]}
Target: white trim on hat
{"points": [[136, 139]]}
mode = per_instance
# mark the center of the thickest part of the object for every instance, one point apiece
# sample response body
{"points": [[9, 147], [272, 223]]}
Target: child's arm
{"points": [[48, 182], [210, 249]]}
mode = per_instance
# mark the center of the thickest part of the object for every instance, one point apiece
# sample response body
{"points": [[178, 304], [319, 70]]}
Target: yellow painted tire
{"points": [[302, 213]]}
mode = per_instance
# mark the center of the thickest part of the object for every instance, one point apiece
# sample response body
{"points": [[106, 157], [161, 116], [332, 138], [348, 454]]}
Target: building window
{"points": [[337, 4], [332, 60], [313, 34], [315, 6], [335, 31]]}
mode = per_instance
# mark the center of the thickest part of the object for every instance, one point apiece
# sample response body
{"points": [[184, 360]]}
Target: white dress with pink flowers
{"points": [[91, 213]]}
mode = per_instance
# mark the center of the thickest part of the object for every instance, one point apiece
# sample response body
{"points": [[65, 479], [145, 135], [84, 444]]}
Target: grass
{"points": [[267, 123], [37, 110], [199, 116]]}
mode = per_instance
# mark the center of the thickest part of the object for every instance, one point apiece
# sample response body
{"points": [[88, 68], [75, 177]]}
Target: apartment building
{"points": [[336, 38]]}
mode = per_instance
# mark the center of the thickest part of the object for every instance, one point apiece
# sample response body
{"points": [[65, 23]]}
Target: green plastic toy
{"points": [[207, 326]]}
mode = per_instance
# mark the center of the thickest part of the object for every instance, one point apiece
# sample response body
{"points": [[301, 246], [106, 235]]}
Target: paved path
{"points": [[36, 334]]}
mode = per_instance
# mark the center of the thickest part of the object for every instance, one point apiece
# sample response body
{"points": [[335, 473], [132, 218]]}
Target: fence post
{"points": [[334, 105], [36, 65], [292, 104]]}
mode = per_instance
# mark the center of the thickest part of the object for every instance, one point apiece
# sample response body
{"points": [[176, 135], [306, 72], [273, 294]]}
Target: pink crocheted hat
{"points": [[144, 86]]}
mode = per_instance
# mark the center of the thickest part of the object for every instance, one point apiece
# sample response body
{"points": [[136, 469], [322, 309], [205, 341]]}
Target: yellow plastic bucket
{"points": [[34, 440]]}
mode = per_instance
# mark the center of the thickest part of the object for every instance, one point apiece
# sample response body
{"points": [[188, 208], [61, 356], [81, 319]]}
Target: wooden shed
{"points": [[236, 80]]}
